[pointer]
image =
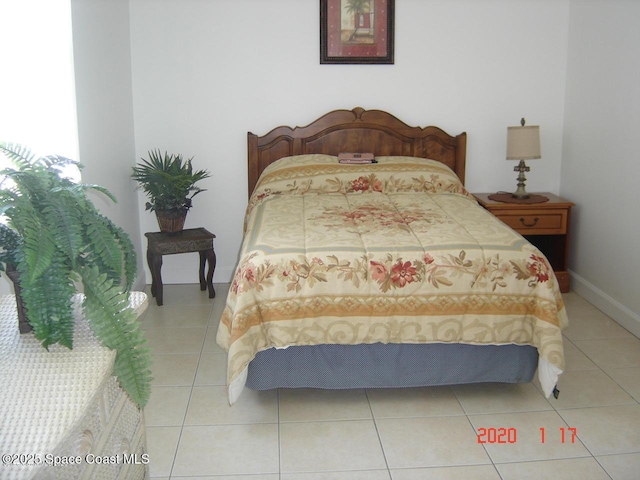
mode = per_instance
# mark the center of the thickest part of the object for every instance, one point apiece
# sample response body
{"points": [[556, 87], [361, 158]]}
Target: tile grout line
{"points": [[375, 425]]}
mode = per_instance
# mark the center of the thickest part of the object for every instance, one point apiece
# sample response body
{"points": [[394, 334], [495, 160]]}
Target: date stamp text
{"points": [[504, 435]]}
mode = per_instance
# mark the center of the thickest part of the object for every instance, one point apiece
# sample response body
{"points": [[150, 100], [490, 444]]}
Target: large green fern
{"points": [[56, 238]]}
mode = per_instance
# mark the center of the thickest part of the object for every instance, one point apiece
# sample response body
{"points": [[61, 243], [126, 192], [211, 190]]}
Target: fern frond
{"points": [[39, 245], [105, 246], [48, 301], [21, 155], [57, 161], [130, 258], [63, 221], [100, 189], [115, 324], [129, 254]]}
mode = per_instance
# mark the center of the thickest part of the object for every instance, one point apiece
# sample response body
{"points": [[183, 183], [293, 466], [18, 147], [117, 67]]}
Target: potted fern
{"points": [[170, 183], [53, 238]]}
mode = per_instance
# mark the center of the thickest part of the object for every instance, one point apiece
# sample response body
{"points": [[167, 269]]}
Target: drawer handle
{"points": [[533, 224]]}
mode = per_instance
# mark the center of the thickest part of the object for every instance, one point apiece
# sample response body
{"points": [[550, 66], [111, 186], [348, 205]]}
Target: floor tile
{"points": [[612, 352], [571, 297], [308, 405], [500, 398], [574, 359], [528, 443], [162, 443], [174, 369], [362, 475], [227, 450], [167, 406], [212, 369], [589, 388], [413, 402], [330, 447], [628, 379], [209, 405], [621, 467], [607, 430], [476, 472], [175, 340], [565, 469], [210, 344], [176, 316], [268, 476], [427, 442], [594, 326]]}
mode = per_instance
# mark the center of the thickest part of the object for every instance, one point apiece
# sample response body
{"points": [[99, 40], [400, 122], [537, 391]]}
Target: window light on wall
{"points": [[37, 99]]}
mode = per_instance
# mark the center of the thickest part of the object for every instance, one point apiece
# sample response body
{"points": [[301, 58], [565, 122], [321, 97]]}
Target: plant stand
{"points": [[191, 240]]}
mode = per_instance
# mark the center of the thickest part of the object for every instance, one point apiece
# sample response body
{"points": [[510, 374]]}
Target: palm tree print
{"points": [[360, 10]]}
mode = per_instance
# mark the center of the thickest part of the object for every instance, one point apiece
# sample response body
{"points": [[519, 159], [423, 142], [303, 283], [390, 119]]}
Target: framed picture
{"points": [[356, 31]]}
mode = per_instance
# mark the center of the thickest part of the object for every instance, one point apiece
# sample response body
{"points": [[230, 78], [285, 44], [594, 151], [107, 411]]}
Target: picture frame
{"points": [[357, 31]]}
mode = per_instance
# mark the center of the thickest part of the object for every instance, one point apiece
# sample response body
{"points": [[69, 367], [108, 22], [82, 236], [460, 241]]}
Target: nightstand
{"points": [[546, 225]]}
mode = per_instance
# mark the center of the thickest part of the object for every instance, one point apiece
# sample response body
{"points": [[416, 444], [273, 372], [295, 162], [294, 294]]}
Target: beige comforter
{"points": [[393, 252]]}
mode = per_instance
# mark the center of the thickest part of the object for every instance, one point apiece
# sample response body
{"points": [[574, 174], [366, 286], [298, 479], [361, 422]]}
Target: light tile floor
{"points": [[592, 431]]}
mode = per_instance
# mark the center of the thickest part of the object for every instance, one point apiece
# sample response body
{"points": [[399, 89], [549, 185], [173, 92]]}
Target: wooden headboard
{"points": [[356, 130]]}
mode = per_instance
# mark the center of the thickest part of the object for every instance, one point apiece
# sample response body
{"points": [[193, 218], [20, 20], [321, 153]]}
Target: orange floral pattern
{"points": [[370, 217], [392, 272]]}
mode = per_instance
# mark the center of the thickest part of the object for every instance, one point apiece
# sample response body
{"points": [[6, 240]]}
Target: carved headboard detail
{"points": [[356, 130]]}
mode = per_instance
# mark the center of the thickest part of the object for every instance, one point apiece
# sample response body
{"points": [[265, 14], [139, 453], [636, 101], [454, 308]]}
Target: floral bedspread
{"points": [[393, 252]]}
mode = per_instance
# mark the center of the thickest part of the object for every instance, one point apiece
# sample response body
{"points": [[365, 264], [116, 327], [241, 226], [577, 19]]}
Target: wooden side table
{"points": [[191, 240], [546, 225]]}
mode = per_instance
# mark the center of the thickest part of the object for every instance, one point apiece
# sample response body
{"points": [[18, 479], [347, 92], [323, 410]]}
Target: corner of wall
{"points": [[608, 305]]}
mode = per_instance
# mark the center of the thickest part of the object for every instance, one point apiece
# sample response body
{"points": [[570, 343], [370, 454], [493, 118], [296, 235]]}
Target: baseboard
{"points": [[604, 302]]}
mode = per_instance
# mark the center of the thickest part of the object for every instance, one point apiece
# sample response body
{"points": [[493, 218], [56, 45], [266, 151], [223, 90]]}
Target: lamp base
{"points": [[521, 193]]}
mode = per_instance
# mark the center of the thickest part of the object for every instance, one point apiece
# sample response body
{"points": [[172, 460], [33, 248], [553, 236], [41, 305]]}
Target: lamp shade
{"points": [[523, 143]]}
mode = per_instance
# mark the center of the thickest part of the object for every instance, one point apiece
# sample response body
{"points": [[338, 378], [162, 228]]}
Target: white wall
{"points": [[206, 72], [601, 163], [105, 109]]}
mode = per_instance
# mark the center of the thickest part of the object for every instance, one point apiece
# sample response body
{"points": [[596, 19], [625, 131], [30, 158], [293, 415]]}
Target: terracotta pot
{"points": [[170, 221], [23, 322]]}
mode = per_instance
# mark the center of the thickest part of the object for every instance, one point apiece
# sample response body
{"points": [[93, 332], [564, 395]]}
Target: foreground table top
{"points": [[61, 404]]}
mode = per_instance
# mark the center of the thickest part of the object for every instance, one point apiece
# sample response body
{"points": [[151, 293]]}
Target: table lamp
{"points": [[523, 143]]}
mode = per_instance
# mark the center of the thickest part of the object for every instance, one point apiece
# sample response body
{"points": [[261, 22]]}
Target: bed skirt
{"points": [[390, 365]]}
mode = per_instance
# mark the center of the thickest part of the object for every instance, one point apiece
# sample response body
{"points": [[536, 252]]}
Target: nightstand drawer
{"points": [[548, 222]]}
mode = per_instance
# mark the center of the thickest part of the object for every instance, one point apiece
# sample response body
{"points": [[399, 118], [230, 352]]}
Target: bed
{"points": [[381, 275]]}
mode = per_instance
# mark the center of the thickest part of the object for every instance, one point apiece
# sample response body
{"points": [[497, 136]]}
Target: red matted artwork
{"points": [[356, 31]]}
